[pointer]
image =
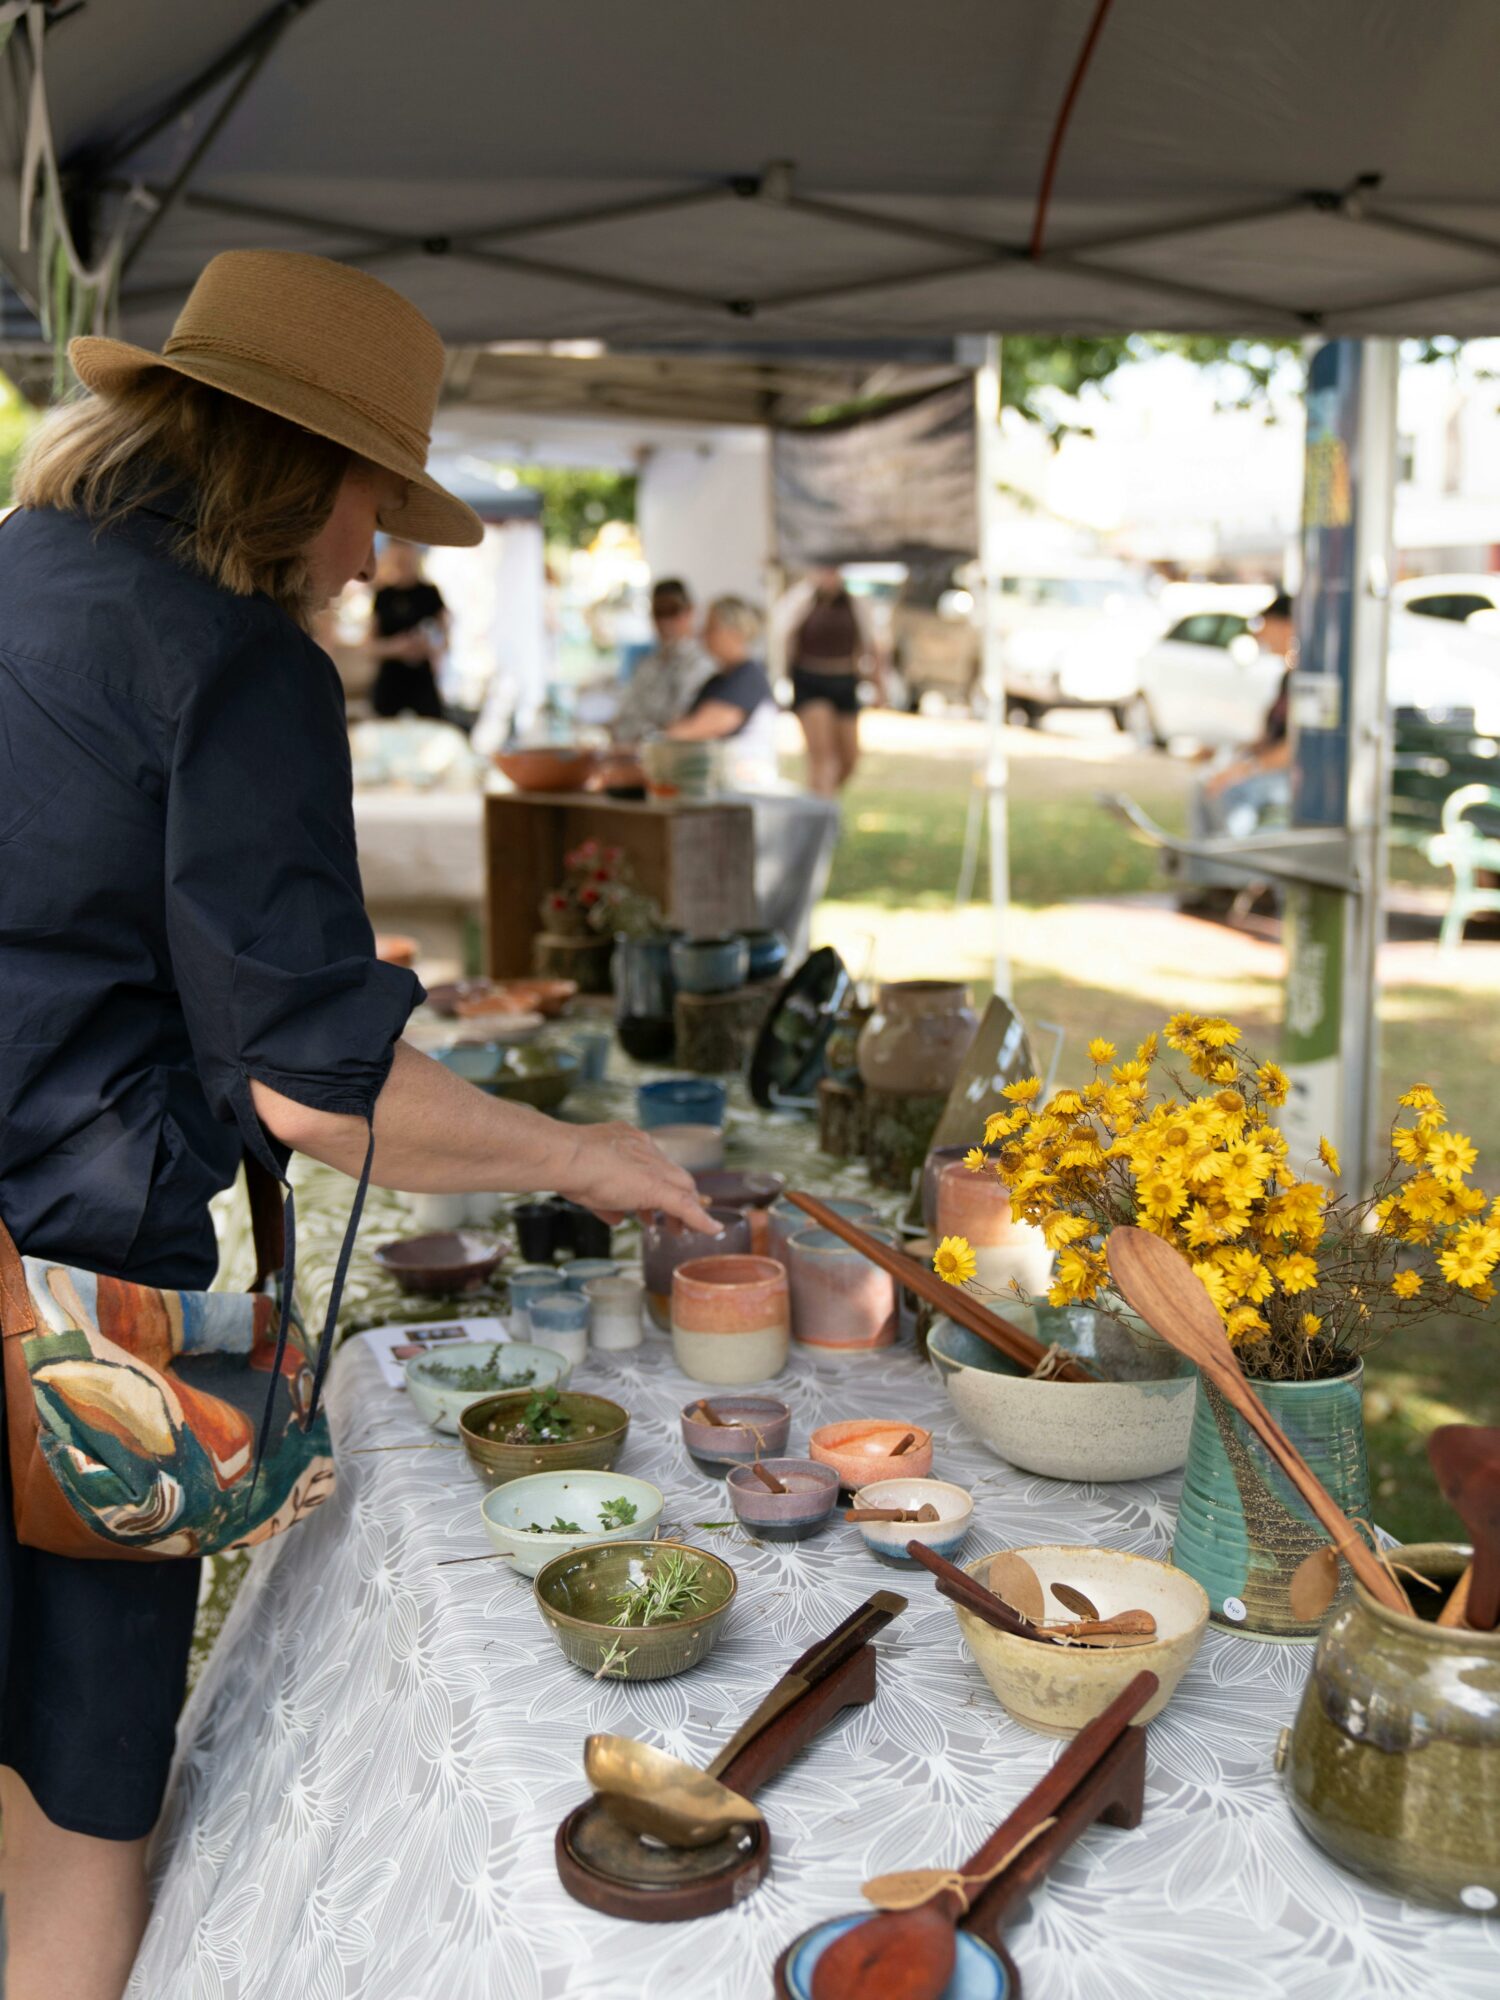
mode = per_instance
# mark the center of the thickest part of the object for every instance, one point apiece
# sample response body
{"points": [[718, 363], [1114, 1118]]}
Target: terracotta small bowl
{"points": [[859, 1450], [440, 1264], [1057, 1689], [811, 1496], [888, 1539], [731, 1320], [752, 1427]]}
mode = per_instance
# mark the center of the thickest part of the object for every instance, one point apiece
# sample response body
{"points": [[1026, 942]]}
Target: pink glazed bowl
{"points": [[731, 1320], [859, 1450]]}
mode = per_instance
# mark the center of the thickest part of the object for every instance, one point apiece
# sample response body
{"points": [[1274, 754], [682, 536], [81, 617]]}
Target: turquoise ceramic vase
{"points": [[1242, 1529]]}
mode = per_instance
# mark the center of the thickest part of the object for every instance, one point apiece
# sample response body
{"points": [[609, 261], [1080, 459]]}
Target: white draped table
{"points": [[377, 1756]]}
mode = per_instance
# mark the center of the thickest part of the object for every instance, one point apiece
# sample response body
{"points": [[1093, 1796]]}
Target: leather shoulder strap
{"points": [[17, 1314], [267, 1220]]}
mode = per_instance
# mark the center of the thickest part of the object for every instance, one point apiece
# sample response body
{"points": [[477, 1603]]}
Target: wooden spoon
{"points": [[1455, 1612], [766, 1478], [1075, 1601], [926, 1512], [1466, 1459], [711, 1416], [905, 1445], [1314, 1584], [1120, 1624], [1161, 1285], [910, 1954], [1012, 1578]]}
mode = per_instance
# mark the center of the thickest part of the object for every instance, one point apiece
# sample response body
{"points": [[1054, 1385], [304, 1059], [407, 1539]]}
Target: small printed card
{"points": [[392, 1345]]}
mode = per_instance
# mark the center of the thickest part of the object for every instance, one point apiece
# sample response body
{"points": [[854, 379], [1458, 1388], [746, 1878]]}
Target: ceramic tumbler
{"points": [[681, 1100], [840, 1300], [614, 1312], [526, 1286], [699, 1148], [666, 1243], [710, 964], [787, 1220], [577, 1275], [1007, 1254], [731, 1319], [560, 1320]]}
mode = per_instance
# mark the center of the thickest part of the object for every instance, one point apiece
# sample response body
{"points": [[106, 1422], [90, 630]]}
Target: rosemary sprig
{"points": [[476, 1374], [670, 1589]]}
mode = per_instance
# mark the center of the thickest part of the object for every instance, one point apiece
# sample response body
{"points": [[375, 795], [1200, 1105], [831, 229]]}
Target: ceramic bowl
{"points": [[752, 1427], [787, 1220], [768, 953], [599, 1428], [440, 1264], [614, 1312], [666, 1243], [1056, 1690], [580, 1497], [681, 1100], [811, 1496], [888, 1539], [508, 1363], [562, 768], [539, 1077], [859, 1450], [696, 1147], [841, 1302], [710, 964], [476, 999], [576, 1594], [731, 1320], [1096, 1431]]}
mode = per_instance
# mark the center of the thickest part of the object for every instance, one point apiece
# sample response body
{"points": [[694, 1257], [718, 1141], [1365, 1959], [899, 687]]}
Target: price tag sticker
{"points": [[1234, 1609], [1477, 1897]]}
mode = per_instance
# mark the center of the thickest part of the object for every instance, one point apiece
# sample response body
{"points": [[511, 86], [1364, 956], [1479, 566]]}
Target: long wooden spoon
{"points": [[910, 1954], [1466, 1460], [1012, 1578], [926, 1512], [1162, 1287], [1012, 1341]]}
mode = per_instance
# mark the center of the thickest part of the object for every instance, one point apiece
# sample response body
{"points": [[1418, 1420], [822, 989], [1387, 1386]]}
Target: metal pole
{"points": [[987, 440]]}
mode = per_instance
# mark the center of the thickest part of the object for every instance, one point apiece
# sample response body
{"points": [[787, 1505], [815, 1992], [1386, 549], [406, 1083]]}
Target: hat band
{"points": [[406, 437]]}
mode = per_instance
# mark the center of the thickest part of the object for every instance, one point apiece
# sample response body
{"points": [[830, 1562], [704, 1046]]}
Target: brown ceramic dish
{"points": [[563, 769], [441, 1264], [812, 1492], [748, 1427]]}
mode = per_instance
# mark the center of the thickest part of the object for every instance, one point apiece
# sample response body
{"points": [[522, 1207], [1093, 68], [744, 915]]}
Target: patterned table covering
{"points": [[373, 1765]]}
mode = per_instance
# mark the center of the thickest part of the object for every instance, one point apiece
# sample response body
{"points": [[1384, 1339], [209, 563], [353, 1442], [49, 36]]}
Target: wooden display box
{"points": [[696, 860]]}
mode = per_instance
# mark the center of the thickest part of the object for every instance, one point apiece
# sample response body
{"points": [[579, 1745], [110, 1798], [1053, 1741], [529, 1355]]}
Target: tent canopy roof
{"points": [[606, 172]]}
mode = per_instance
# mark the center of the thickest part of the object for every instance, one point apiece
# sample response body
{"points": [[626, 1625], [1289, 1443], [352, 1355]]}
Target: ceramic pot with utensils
{"points": [[808, 1496], [731, 1320], [889, 1541], [864, 1449], [724, 1430], [666, 1243], [841, 1302], [661, 1841], [1393, 1763]]}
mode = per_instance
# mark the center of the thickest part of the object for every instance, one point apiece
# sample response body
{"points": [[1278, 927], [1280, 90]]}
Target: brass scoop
{"points": [[657, 1794]]}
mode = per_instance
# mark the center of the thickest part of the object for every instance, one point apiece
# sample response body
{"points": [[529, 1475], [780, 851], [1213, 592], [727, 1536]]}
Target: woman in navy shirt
{"points": [[186, 967]]}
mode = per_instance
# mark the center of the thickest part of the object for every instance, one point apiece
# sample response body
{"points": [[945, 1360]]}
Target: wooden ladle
{"points": [[767, 1479], [909, 1954], [1162, 1287], [1466, 1460]]}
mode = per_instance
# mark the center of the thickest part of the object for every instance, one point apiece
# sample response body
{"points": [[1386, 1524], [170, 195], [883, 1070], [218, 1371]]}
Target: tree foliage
{"points": [[16, 422], [577, 501], [1041, 375]]}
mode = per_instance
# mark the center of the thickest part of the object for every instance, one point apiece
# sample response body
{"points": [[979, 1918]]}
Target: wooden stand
{"points": [[898, 1134], [697, 861], [602, 1864], [716, 1032], [842, 1120]]}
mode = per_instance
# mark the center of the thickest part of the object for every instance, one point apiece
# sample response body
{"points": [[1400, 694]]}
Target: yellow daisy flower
{"points": [[1199, 1227], [1101, 1051], [1312, 1323], [954, 1260], [1450, 1155], [1421, 1097], [1328, 1153], [1424, 1198], [976, 1159], [1026, 1091], [1244, 1320], [1218, 1034], [1274, 1081], [1214, 1283], [1060, 1229], [1296, 1273], [1406, 1284]]}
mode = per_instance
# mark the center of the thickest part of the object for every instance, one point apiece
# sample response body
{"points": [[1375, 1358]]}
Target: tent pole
{"points": [[987, 443]]}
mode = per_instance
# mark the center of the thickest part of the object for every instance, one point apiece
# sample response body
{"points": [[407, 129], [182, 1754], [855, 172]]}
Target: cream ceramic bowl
{"points": [[579, 1497], [514, 1364], [1067, 1430], [1057, 1689], [888, 1539]]}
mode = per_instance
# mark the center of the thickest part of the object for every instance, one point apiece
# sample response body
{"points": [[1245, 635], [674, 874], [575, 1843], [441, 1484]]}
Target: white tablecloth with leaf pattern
{"points": [[373, 1765]]}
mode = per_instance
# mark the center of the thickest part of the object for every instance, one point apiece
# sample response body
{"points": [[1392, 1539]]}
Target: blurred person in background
{"points": [[663, 685], [1253, 789], [408, 632], [830, 647], [735, 704]]}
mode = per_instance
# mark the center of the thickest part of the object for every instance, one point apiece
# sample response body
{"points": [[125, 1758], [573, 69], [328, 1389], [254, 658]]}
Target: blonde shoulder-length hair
{"points": [[261, 488]]}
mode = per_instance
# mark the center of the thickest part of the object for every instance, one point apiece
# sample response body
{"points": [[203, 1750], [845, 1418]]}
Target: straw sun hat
{"points": [[323, 345]]}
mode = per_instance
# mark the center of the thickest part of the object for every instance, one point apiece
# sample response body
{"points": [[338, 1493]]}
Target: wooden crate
{"points": [[697, 861]]}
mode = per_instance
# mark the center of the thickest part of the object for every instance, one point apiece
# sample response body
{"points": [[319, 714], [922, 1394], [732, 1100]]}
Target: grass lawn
{"points": [[1084, 970]]}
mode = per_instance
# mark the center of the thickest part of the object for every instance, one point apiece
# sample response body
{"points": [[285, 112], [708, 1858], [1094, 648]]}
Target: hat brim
{"points": [[429, 514]]}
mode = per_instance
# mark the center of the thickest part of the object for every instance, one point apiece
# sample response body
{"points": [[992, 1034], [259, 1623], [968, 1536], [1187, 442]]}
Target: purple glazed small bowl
{"points": [[811, 1496], [666, 1243], [752, 1427]]}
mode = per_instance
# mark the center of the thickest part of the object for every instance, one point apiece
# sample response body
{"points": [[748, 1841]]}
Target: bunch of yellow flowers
{"points": [[1299, 1275]]}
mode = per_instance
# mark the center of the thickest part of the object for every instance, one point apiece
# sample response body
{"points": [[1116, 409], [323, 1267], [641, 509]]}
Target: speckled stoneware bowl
{"points": [[510, 1362], [752, 1427], [580, 1497], [1066, 1430], [577, 1596], [1057, 1689], [859, 1450], [812, 1492], [888, 1539], [599, 1436]]}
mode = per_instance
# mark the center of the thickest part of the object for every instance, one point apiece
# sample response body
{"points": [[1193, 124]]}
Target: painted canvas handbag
{"points": [[144, 1423]]}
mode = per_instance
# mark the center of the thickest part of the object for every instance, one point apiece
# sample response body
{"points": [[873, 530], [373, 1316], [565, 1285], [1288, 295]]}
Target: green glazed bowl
{"points": [[576, 1596], [537, 1076], [599, 1436]]}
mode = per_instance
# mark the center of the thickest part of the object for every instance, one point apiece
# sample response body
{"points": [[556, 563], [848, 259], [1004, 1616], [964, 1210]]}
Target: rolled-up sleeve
{"points": [[272, 952]]}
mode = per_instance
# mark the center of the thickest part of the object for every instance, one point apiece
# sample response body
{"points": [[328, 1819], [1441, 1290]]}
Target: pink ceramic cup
{"points": [[975, 1206], [840, 1300], [731, 1319]]}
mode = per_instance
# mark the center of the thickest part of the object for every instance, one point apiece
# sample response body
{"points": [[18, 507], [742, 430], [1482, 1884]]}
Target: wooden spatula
{"points": [[1466, 1460]]}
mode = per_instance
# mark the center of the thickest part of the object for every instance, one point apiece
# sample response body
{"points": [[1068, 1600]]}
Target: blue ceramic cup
{"points": [[528, 1286], [577, 1274], [681, 1100]]}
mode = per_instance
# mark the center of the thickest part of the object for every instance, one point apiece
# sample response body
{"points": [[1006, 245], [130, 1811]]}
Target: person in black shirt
{"points": [[409, 622], [737, 700]]}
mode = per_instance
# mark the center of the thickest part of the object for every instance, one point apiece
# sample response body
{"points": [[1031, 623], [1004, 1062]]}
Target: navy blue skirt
{"points": [[93, 1667]]}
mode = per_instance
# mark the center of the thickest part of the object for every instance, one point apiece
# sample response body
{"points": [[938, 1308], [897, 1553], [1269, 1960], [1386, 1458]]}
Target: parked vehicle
{"points": [[1457, 598]]}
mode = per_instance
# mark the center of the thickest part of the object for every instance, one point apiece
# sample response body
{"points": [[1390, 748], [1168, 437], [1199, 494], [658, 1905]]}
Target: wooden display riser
{"points": [[716, 1032]]}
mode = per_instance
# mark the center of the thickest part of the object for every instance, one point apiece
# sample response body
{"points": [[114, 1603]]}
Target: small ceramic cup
{"points": [[861, 1449], [812, 1492], [888, 1539], [696, 1147], [536, 1229], [580, 1274], [592, 1050], [666, 1243], [614, 1312], [681, 1100], [1006, 1252], [525, 1286], [560, 1320], [710, 964], [731, 1319], [748, 1427], [787, 1220], [840, 1300]]}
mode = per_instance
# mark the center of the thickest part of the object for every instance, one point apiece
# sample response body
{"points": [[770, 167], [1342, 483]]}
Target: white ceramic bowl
{"points": [[888, 1539], [1057, 1689], [1066, 1430], [579, 1497], [441, 1405]]}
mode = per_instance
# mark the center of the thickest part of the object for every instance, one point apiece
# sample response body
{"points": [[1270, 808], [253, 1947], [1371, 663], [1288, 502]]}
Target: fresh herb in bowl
{"points": [[670, 1589], [477, 1375], [544, 1421], [559, 1527], [612, 1514]]}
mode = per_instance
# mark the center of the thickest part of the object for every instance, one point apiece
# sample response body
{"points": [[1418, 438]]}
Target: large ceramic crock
{"points": [[915, 1041], [1393, 1763]]}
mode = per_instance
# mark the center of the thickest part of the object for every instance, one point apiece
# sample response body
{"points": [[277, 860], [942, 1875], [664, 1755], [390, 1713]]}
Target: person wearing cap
{"points": [[661, 690], [189, 973]]}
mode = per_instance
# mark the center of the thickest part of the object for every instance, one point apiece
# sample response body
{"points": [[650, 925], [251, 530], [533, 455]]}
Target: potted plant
{"points": [[576, 940], [1305, 1277]]}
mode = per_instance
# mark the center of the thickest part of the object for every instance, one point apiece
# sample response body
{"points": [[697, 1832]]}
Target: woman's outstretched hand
{"points": [[617, 1170]]}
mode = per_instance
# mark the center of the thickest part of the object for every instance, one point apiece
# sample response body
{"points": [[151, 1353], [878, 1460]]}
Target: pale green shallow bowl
{"points": [[565, 1496], [442, 1406], [576, 1593]]}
